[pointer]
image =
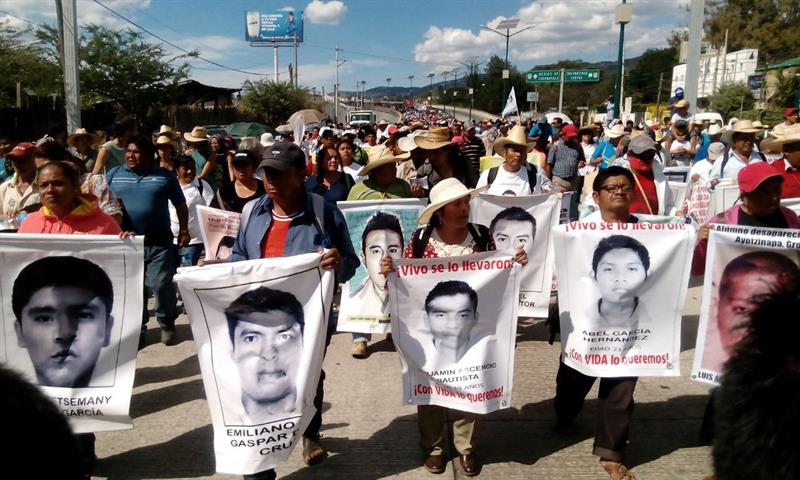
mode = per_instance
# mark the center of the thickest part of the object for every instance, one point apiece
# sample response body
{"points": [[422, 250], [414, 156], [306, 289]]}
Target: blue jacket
{"points": [[303, 236]]}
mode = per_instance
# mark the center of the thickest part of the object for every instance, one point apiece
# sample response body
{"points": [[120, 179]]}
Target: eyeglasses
{"points": [[617, 188]]}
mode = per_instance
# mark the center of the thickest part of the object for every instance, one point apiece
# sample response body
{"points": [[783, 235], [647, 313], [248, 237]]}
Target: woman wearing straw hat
{"points": [[167, 150], [447, 233], [81, 147], [381, 182], [609, 148]]}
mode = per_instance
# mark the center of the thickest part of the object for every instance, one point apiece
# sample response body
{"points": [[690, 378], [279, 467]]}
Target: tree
{"points": [[786, 91], [27, 63], [119, 66], [642, 79], [732, 98], [272, 101]]}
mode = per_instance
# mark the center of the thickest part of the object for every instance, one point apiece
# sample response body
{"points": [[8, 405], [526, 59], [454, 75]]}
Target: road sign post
{"points": [[565, 75]]}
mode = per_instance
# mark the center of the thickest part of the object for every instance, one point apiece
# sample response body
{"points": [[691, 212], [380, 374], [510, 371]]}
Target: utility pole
{"points": [[658, 97], [411, 89], [430, 87], [507, 25], [623, 15], [363, 93], [560, 91], [69, 50], [275, 61], [296, 66], [339, 63], [693, 59], [725, 60]]}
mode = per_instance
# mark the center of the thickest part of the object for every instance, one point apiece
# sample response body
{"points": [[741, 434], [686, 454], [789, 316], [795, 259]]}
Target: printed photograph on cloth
{"points": [[377, 229], [744, 265], [72, 310], [454, 325], [523, 222], [260, 331], [218, 229], [621, 292]]}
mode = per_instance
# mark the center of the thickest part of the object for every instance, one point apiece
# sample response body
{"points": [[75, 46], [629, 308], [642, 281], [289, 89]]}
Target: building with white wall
{"points": [[735, 67]]}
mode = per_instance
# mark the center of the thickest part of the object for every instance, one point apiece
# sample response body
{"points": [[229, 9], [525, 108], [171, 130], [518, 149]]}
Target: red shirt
{"points": [[275, 239], [791, 179], [644, 174]]}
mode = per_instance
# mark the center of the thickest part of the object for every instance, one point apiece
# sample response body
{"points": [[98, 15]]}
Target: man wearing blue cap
{"points": [[542, 133], [675, 99]]}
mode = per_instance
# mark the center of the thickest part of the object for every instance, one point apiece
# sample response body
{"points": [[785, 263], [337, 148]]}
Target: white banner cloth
{"points": [[218, 228]]}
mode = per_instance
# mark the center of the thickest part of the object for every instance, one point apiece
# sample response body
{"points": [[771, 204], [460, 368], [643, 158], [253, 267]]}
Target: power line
{"points": [[192, 54], [20, 18]]}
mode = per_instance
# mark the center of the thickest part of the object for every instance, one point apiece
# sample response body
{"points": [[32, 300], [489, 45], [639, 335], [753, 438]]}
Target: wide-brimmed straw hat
{"points": [[616, 131], [198, 134], [168, 131], [379, 155], [444, 192], [407, 143], [745, 126], [714, 129], [789, 135], [760, 125], [437, 137], [516, 136], [167, 140], [80, 133], [682, 103]]}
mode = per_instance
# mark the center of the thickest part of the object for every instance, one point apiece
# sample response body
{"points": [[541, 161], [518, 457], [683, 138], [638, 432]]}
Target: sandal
{"points": [[616, 470], [313, 453]]}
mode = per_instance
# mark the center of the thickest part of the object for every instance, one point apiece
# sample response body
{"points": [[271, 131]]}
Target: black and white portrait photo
{"points": [[514, 229], [451, 313], [382, 236]]}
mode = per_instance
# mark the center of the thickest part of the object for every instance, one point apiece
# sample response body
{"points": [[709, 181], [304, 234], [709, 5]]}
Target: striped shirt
{"points": [[564, 159]]}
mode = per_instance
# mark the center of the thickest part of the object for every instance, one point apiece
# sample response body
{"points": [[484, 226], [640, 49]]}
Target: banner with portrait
{"points": [[621, 292], [218, 229], [743, 265], [259, 326], [526, 222], [377, 228], [72, 314], [454, 323]]}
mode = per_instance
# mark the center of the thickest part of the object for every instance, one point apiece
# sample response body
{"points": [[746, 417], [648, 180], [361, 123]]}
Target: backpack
{"points": [[531, 176], [421, 237], [726, 157]]}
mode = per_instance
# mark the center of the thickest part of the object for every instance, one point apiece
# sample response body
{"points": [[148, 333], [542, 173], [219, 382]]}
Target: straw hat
{"points": [[284, 128], [437, 137], [790, 135], [516, 136], [168, 131], [714, 129], [167, 140], [745, 126], [682, 103], [198, 134], [758, 124], [444, 192], [267, 140], [615, 132], [79, 133], [407, 143], [378, 156]]}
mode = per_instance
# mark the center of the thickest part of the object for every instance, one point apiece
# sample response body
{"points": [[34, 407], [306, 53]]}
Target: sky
{"points": [[379, 39]]}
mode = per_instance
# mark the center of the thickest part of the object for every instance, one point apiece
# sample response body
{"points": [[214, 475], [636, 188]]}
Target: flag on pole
{"points": [[511, 104]]}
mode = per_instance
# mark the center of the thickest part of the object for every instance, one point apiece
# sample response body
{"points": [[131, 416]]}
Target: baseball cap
{"points": [[715, 150], [22, 151], [569, 130], [243, 157], [678, 91], [754, 174], [789, 112], [543, 119], [641, 144], [283, 156]]}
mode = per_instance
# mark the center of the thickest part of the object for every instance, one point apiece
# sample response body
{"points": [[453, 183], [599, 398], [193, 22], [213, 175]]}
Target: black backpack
{"points": [[531, 176], [421, 237]]}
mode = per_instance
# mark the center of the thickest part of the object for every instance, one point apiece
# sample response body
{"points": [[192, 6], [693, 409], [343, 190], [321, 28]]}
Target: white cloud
{"points": [[42, 11], [325, 13], [563, 29]]}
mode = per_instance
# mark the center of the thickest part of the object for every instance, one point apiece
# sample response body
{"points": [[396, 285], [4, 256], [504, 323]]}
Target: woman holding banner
{"points": [[448, 233]]}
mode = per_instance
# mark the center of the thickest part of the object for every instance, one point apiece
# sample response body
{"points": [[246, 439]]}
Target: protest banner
{"points": [[218, 228], [524, 221], [377, 229], [454, 325], [72, 313], [743, 265], [621, 291], [260, 327], [698, 204]]}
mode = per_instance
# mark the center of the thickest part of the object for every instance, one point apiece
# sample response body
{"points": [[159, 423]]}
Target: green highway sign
{"points": [[573, 75], [582, 75], [543, 76]]}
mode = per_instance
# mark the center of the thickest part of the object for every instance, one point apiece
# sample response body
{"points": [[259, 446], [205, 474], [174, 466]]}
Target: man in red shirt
{"points": [[789, 165]]}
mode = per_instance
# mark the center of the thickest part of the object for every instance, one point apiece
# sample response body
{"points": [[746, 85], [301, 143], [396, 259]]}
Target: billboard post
{"points": [[275, 29]]}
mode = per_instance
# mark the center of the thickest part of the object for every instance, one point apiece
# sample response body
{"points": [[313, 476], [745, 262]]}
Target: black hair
{"points": [[263, 300], [449, 288], [322, 160], [51, 150], [60, 272], [68, 169], [122, 126], [381, 221], [57, 129], [145, 145], [763, 262], [514, 214], [346, 140], [616, 242], [612, 171], [185, 161]]}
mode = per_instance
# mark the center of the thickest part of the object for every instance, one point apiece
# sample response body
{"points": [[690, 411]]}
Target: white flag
{"points": [[511, 104]]}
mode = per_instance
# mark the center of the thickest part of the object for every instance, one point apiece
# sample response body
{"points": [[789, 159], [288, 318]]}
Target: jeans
{"points": [[188, 256], [160, 263]]}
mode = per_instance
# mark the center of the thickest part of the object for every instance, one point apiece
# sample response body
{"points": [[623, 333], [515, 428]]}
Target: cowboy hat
{"points": [[714, 129], [789, 135], [166, 140], [444, 192], [758, 124], [379, 155], [682, 103], [267, 139], [166, 130], [284, 128], [516, 136], [198, 134], [437, 137], [614, 132], [745, 126], [407, 143], [81, 132]]}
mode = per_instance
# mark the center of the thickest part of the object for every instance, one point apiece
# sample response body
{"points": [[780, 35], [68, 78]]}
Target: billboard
{"points": [[282, 27]]}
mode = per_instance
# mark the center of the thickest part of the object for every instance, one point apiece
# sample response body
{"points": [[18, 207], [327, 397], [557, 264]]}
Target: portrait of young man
{"points": [[451, 313], [382, 236], [63, 320], [266, 333], [512, 229]]}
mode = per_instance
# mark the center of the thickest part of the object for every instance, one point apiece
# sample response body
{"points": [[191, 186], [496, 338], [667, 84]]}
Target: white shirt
{"points": [[703, 169], [676, 117], [193, 199], [514, 182], [735, 163]]}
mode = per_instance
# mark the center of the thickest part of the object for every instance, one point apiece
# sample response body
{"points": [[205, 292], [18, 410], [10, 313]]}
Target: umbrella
{"points": [[309, 116], [248, 129], [550, 116]]}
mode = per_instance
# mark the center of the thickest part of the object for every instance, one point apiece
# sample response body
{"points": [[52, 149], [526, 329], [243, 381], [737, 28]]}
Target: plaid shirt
{"points": [[564, 159]]}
